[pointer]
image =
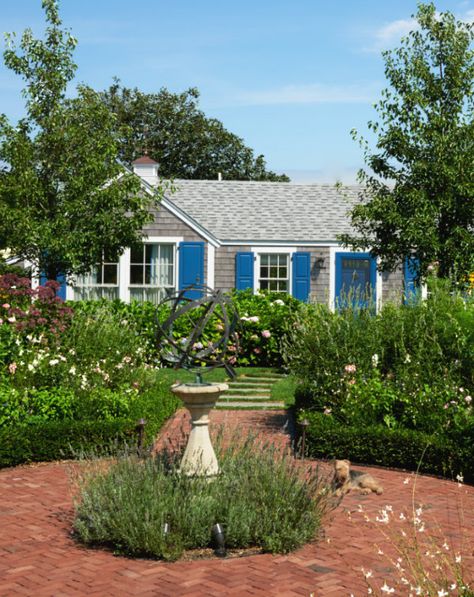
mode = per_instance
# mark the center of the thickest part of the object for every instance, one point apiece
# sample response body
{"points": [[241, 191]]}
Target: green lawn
{"points": [[216, 375]]}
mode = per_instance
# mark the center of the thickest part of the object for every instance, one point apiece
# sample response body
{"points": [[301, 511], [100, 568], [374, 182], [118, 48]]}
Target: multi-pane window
{"points": [[152, 271], [274, 272], [101, 282]]}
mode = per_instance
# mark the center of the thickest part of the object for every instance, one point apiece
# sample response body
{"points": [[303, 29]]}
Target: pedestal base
{"points": [[199, 458]]}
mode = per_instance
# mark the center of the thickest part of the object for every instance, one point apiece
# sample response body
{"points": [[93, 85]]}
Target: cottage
{"points": [[234, 234]]}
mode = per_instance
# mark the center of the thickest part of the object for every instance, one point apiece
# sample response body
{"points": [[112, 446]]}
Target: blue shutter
{"points": [[301, 275], [410, 273], [244, 270], [191, 266]]}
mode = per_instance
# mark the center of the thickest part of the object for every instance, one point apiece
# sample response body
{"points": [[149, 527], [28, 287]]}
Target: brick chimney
{"points": [[147, 169]]}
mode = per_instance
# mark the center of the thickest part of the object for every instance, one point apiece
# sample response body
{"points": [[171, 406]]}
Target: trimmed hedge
{"points": [[400, 448], [57, 440]]}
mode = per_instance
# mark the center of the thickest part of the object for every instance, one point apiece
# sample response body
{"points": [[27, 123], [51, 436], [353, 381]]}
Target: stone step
{"points": [[264, 379], [251, 405], [233, 390], [232, 397], [250, 384]]}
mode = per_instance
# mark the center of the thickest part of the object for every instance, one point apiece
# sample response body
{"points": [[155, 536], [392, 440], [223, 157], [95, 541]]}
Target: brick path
{"points": [[38, 557]]}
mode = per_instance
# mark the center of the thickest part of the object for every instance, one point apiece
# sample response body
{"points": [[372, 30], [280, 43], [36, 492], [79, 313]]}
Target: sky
{"points": [[291, 77]]}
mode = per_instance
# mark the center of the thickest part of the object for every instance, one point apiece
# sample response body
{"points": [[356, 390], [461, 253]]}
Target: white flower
{"points": [[11, 319], [375, 360], [458, 559], [460, 478], [383, 518], [421, 528], [442, 593], [278, 302], [406, 481], [72, 370], [407, 358], [53, 362], [386, 589], [30, 367], [468, 399]]}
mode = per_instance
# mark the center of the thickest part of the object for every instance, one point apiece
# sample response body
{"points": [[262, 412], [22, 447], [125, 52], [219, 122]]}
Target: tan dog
{"points": [[346, 479]]}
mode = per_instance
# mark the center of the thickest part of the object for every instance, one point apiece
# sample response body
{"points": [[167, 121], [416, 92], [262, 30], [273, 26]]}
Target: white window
{"points": [[101, 282], [274, 272], [152, 271]]}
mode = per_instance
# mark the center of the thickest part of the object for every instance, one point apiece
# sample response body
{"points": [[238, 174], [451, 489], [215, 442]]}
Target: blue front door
{"points": [[356, 275]]}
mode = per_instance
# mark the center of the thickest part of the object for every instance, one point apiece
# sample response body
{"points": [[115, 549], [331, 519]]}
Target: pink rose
{"points": [[6, 306], [266, 334], [12, 368], [351, 368], [257, 350]]}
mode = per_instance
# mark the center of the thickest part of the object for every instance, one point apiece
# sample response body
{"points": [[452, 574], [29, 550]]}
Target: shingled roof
{"points": [[266, 211]]}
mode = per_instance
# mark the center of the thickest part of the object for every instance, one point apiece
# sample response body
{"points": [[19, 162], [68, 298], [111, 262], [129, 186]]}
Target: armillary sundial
{"points": [[212, 320]]}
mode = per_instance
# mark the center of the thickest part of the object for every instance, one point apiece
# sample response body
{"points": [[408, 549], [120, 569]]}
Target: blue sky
{"points": [[292, 77]]}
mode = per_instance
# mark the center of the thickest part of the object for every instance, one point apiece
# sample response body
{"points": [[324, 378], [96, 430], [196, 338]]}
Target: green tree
{"points": [[180, 137], [419, 197], [64, 199]]}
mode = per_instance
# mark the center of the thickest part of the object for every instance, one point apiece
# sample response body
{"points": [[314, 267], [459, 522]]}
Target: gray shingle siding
{"points": [[392, 286], [319, 272], [225, 266], [167, 224]]}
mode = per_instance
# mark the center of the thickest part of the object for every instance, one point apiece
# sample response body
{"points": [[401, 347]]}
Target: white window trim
{"points": [[211, 265], [124, 266], [333, 251], [70, 286], [258, 251], [150, 240]]}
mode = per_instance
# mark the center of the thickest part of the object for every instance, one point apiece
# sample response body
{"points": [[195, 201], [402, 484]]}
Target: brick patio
{"points": [[38, 557]]}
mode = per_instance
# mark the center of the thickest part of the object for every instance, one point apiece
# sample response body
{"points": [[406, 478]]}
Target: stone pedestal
{"points": [[199, 457]]}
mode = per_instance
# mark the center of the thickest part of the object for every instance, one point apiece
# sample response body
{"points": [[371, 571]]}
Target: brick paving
{"points": [[39, 558]]}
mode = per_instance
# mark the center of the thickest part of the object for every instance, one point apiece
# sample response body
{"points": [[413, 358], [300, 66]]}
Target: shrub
{"points": [[62, 424], [94, 352], [57, 440], [259, 498], [401, 448], [263, 321], [408, 367], [30, 310]]}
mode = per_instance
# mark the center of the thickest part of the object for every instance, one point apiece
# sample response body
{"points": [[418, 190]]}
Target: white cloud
{"points": [[309, 94], [392, 32], [468, 16], [389, 35]]}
